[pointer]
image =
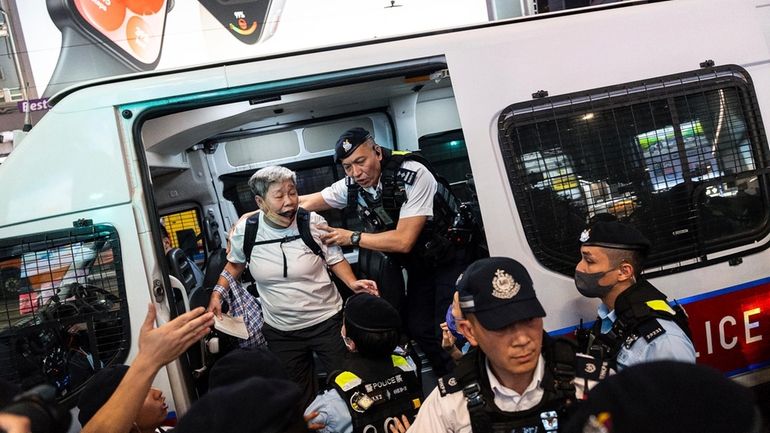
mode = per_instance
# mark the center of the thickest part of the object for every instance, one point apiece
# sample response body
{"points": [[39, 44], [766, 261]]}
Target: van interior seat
{"points": [[179, 267], [214, 266]]}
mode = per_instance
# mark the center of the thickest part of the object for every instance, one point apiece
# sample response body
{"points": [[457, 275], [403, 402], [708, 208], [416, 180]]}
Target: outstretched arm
{"points": [[234, 270], [400, 240], [344, 272], [157, 347], [313, 202]]}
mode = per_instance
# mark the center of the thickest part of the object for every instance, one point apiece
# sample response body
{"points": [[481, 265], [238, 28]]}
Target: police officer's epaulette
{"points": [[449, 384], [405, 175], [650, 330], [465, 372]]}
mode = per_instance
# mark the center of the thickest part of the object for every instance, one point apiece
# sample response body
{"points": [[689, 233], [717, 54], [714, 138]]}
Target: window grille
{"points": [[448, 155], [63, 312], [681, 157], [184, 230]]}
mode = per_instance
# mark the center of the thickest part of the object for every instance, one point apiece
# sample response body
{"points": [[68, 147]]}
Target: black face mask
{"points": [[588, 284]]}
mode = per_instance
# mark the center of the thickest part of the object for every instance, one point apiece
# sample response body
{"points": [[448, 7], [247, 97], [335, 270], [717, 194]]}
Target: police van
{"points": [[650, 111]]}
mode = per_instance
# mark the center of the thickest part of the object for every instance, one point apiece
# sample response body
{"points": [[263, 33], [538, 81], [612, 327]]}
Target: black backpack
{"points": [[303, 224]]}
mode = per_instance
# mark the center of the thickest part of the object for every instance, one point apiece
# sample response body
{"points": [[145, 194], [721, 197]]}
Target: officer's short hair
{"points": [[633, 258], [263, 178]]}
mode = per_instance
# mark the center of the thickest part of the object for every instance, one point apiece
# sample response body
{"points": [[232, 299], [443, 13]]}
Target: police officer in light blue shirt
{"points": [[635, 324]]}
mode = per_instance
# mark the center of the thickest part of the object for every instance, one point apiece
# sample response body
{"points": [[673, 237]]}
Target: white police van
{"points": [[649, 111]]}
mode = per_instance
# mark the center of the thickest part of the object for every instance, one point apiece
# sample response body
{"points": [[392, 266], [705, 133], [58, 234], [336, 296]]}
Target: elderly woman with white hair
{"points": [[301, 305]]}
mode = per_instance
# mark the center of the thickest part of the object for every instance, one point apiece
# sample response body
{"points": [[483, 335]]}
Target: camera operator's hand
{"points": [[10, 423], [164, 344]]}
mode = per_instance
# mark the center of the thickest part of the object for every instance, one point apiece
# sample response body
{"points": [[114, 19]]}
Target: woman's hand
{"points": [[215, 304], [365, 286]]}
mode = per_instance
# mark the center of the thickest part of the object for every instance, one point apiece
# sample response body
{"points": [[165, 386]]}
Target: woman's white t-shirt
{"points": [[307, 296]]}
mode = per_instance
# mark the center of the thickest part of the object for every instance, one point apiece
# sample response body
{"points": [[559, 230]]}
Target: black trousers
{"points": [[296, 348], [428, 295]]}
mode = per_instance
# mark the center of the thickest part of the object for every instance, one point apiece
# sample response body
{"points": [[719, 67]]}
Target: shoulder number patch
{"points": [[406, 176], [651, 329]]}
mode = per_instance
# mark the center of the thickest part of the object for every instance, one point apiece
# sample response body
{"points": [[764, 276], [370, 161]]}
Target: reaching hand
{"points": [[215, 304], [14, 423], [400, 426], [334, 236], [447, 339], [365, 286], [165, 343]]}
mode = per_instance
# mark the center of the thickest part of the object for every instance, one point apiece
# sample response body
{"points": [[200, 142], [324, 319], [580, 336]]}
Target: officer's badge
{"points": [[550, 420], [346, 145], [360, 402], [585, 235], [504, 286]]}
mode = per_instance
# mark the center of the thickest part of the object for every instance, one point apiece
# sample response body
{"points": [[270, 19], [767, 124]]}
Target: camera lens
{"points": [[39, 405]]}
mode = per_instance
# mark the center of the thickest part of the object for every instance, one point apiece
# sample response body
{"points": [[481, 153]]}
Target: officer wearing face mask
{"points": [[635, 324]]}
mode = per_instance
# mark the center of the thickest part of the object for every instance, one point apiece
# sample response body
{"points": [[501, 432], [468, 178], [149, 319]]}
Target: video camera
{"points": [[39, 405]]}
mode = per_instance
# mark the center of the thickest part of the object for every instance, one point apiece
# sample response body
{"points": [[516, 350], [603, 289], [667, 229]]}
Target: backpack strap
{"points": [[250, 235], [303, 224]]}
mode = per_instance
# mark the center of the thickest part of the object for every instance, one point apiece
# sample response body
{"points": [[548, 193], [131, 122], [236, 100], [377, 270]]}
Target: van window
{"points": [[63, 311], [448, 156], [184, 229], [260, 148], [679, 157], [312, 176]]}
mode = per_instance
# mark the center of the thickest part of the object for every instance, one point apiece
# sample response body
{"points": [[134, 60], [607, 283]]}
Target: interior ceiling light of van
{"points": [[173, 133]]}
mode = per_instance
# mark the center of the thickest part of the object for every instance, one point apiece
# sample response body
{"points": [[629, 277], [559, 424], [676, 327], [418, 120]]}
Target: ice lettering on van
{"points": [[731, 342], [728, 328]]}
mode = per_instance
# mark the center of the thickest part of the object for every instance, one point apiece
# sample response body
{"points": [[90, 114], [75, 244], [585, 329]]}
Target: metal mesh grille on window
{"points": [[679, 158], [63, 312]]}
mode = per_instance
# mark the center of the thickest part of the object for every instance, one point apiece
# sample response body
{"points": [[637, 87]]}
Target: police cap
{"points": [[371, 313], [667, 397], [349, 142], [256, 405], [499, 292], [239, 365], [615, 235]]}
